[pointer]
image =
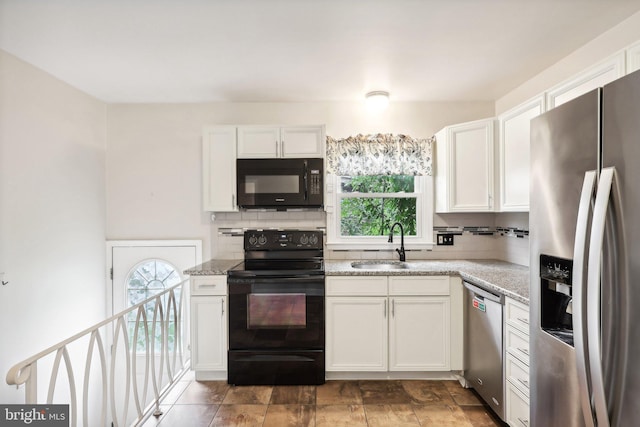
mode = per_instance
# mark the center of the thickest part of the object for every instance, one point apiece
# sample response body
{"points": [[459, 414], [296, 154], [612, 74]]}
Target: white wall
{"points": [[154, 154], [52, 213], [610, 42]]}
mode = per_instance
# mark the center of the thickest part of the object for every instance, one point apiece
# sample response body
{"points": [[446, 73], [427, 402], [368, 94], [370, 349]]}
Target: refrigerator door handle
{"points": [[593, 296], [579, 296]]}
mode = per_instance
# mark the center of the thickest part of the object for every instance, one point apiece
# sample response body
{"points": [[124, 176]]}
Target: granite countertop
{"points": [[509, 279], [213, 267]]}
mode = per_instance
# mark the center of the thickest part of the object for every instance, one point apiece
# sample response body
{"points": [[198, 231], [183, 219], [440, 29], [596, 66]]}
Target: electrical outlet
{"points": [[445, 240]]}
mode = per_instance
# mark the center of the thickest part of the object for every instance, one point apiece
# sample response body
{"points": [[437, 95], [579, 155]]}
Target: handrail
{"points": [[169, 307]]}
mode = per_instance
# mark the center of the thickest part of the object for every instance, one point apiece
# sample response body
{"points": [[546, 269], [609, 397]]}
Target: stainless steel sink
{"points": [[379, 265]]}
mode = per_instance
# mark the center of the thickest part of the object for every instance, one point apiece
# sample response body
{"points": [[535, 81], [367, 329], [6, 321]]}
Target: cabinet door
{"points": [[255, 142], [303, 141], [517, 407], [419, 337], [633, 58], [464, 180], [219, 169], [356, 337], [208, 333], [597, 76], [515, 128]]}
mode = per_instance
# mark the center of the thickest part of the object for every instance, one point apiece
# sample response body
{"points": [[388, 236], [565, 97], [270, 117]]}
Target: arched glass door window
{"points": [[149, 278]]}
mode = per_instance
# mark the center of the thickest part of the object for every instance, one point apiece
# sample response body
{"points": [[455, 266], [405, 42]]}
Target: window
{"points": [[150, 278], [365, 207], [374, 181]]}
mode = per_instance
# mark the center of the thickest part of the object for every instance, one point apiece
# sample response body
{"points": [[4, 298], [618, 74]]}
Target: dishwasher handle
{"points": [[484, 293]]}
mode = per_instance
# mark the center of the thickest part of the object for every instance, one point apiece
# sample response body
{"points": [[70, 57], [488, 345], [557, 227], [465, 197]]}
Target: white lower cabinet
{"points": [[209, 326], [517, 407], [387, 323], [517, 363], [356, 338], [419, 334]]}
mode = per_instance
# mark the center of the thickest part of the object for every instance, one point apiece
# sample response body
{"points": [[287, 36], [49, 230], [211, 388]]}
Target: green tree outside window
{"points": [[371, 204]]}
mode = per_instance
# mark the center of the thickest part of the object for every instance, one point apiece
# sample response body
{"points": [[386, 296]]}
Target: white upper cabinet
{"points": [[219, 169], [255, 142], [633, 58], [464, 167], [594, 77], [303, 141], [515, 129], [272, 141]]}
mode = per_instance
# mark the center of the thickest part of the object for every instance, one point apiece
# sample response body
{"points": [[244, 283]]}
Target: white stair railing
{"points": [[165, 361]]}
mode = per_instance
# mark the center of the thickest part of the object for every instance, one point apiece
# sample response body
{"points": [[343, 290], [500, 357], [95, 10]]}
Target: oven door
{"points": [[276, 312]]}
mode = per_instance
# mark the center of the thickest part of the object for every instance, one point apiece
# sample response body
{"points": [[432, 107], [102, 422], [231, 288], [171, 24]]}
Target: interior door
{"points": [[137, 270]]}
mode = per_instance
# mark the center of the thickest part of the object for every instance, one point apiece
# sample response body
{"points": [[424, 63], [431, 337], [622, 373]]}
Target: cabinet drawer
{"points": [[518, 374], [208, 285], [517, 315], [419, 285], [518, 344], [517, 407], [356, 285]]}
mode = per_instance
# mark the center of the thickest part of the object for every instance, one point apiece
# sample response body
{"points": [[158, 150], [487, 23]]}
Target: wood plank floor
{"points": [[337, 403]]}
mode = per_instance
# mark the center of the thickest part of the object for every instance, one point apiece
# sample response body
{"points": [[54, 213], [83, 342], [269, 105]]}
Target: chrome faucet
{"points": [[401, 249]]}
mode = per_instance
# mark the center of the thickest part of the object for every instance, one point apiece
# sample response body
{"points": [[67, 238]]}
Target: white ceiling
{"points": [[300, 50]]}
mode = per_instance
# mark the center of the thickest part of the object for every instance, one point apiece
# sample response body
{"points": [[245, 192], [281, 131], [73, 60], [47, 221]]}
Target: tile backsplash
{"points": [[228, 245], [227, 236]]}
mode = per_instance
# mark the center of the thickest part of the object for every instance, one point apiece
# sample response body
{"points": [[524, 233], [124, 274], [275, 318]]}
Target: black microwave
{"points": [[280, 183]]}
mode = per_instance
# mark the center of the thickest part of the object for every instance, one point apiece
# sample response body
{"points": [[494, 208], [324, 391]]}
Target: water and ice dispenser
{"points": [[556, 297]]}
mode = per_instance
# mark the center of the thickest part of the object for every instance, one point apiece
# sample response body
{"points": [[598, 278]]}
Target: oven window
{"points": [[271, 184], [276, 311]]}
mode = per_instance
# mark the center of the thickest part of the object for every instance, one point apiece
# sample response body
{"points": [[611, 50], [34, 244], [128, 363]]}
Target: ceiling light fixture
{"points": [[377, 100]]}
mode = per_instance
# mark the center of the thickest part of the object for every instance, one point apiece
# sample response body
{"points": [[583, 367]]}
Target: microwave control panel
{"points": [[315, 184]]}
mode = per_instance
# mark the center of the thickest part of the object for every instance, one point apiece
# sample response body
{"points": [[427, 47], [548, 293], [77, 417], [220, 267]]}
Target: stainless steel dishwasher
{"points": [[484, 346]]}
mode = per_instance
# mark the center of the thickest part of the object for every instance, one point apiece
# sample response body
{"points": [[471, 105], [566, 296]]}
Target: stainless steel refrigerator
{"points": [[585, 260]]}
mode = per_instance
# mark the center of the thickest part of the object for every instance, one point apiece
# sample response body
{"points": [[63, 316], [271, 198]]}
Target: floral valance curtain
{"points": [[381, 154]]}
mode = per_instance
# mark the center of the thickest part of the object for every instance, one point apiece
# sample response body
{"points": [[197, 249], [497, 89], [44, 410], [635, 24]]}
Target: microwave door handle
{"points": [[306, 183]]}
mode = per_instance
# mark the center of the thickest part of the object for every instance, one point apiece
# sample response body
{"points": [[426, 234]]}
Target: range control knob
{"points": [[304, 239], [253, 240], [262, 239], [313, 239]]}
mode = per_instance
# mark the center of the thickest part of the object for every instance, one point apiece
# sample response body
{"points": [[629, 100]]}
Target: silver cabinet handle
{"points": [[579, 300], [525, 423], [523, 350], [277, 155], [233, 200], [393, 308], [222, 307], [523, 320], [385, 309], [524, 382]]}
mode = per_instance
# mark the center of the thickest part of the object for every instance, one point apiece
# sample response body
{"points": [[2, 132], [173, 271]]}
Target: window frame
{"points": [[423, 191]]}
